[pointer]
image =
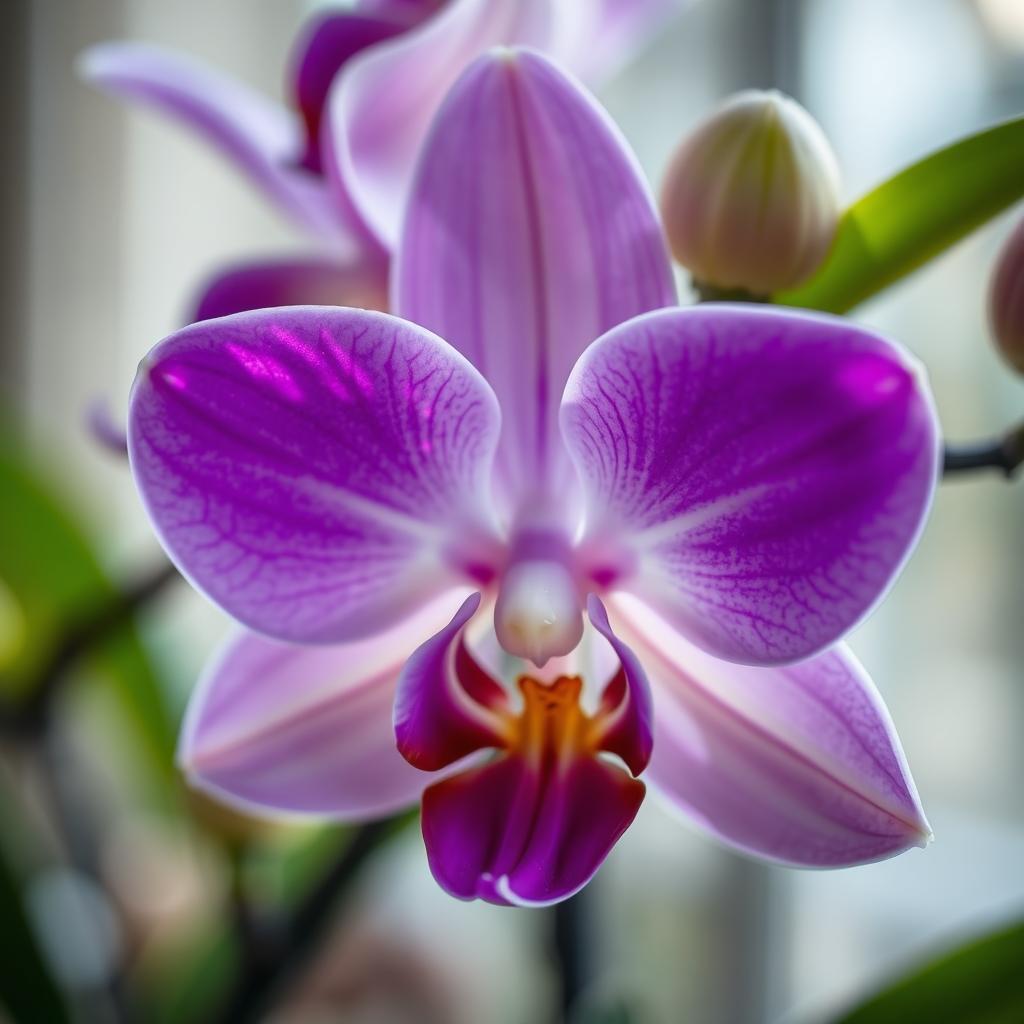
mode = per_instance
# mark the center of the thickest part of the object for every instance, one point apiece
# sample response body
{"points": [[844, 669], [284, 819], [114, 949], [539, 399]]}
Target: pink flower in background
{"points": [[698, 498], [364, 82]]}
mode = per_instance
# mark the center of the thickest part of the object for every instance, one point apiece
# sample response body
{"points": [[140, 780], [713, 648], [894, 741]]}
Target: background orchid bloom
{"points": [[736, 483], [364, 82]]}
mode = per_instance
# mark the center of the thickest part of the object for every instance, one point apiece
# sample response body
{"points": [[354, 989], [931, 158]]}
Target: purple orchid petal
{"points": [[447, 706], [530, 232], [290, 282], [603, 34], [405, 12], [106, 431], [326, 44], [769, 472], [318, 472], [626, 699], [260, 137], [508, 834], [799, 764], [305, 730], [382, 102]]}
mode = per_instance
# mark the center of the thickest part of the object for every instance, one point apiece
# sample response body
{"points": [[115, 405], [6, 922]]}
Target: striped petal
{"points": [[295, 730], [800, 765], [530, 232]]}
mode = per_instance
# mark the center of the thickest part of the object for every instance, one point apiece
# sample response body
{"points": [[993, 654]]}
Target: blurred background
{"points": [[112, 218]]}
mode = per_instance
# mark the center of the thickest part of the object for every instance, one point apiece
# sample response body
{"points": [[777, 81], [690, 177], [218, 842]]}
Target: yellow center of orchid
{"points": [[552, 725]]}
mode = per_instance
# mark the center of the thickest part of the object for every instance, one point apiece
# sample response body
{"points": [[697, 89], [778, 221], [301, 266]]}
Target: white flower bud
{"points": [[1006, 299], [751, 198]]}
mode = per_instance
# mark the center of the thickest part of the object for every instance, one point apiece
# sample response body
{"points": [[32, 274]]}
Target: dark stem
{"points": [[713, 293], [1005, 454], [270, 961], [29, 717], [571, 931], [246, 925]]}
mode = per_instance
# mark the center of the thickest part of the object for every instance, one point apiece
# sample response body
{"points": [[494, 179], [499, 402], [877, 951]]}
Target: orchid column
{"points": [[738, 486]]}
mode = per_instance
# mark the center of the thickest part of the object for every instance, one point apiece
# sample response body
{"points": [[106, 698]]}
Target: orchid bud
{"points": [[1006, 299], [751, 198]]}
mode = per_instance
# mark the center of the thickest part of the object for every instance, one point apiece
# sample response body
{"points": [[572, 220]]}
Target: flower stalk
{"points": [[1004, 453]]}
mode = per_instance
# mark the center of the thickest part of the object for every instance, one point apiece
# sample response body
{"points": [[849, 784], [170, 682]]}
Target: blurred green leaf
{"points": [[286, 870], [980, 983], [915, 215], [192, 977], [615, 1011], [51, 578], [28, 992]]}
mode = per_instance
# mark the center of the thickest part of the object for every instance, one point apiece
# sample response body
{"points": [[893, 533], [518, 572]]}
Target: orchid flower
{"points": [[648, 513], [365, 82]]}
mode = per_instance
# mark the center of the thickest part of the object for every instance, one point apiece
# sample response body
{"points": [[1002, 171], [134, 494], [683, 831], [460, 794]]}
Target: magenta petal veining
{"points": [[319, 472], [756, 476], [769, 471]]}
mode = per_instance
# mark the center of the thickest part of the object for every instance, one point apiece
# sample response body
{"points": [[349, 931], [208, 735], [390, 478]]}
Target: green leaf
{"points": [[192, 978], [50, 577], [916, 215], [980, 983], [28, 992]]}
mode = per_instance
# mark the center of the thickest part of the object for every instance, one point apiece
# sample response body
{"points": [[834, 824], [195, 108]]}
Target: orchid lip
{"points": [[543, 785], [533, 824], [314, 469]]}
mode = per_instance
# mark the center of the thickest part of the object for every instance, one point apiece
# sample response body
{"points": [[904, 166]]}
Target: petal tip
{"points": [[922, 833], [96, 62]]}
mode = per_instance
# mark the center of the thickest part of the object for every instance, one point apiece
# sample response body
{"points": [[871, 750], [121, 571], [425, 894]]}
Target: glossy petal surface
{"points": [[759, 477], [316, 471], [382, 103], [626, 698], [305, 730], [261, 284], [508, 833], [261, 138], [534, 824], [799, 764], [530, 232], [445, 703]]}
